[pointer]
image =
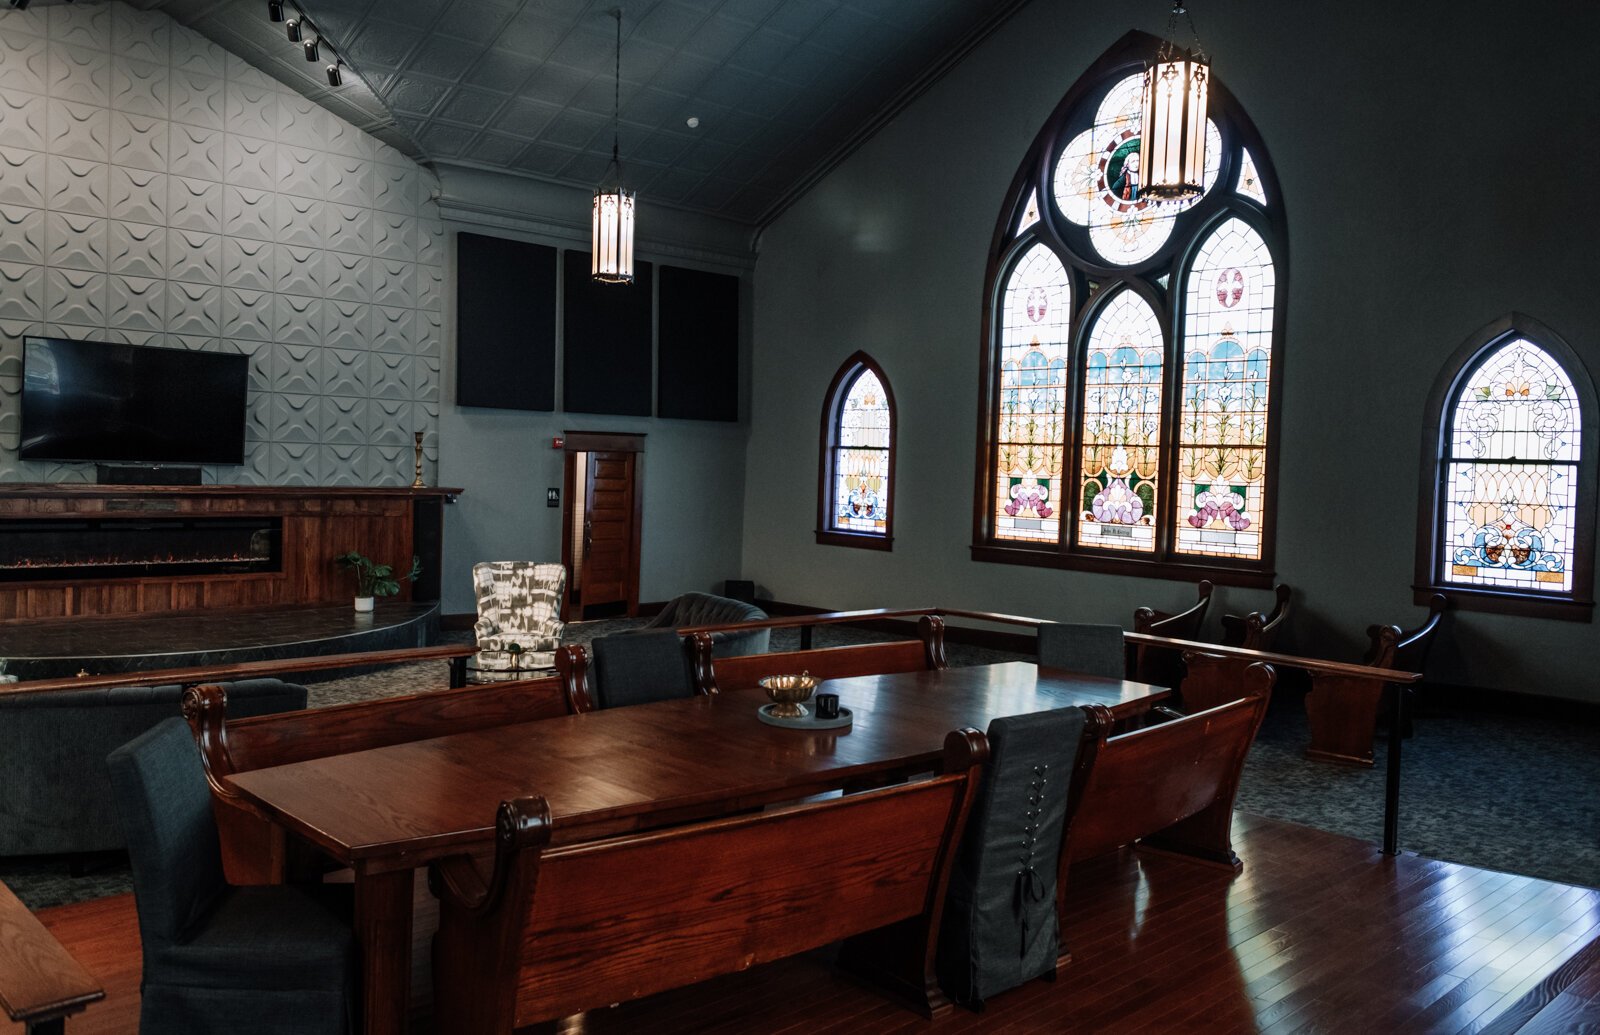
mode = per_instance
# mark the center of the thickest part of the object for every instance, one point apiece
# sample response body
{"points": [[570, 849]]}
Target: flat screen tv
{"points": [[101, 401]]}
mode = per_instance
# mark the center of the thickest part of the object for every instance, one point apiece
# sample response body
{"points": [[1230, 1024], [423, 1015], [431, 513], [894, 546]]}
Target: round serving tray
{"points": [[805, 722]]}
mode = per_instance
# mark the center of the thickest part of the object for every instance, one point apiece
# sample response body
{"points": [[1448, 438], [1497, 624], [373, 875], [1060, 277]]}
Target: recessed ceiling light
{"points": [[694, 122]]}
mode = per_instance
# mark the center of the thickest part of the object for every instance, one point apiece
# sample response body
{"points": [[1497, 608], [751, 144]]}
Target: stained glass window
{"points": [[1121, 426], [1511, 474], [1030, 213], [1222, 426], [1128, 408], [1034, 339], [857, 501], [1097, 180], [861, 460], [1249, 179]]}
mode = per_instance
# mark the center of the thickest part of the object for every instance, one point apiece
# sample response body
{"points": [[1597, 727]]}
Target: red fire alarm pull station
{"points": [[558, 443]]}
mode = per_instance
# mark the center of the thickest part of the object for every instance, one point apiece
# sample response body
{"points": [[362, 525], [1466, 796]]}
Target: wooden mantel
{"points": [[389, 524]]}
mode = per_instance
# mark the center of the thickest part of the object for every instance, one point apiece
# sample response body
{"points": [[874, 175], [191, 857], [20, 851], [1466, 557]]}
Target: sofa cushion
{"points": [[53, 749]]}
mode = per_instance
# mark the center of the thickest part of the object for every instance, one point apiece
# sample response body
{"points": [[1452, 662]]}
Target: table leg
{"points": [[383, 929], [458, 673]]}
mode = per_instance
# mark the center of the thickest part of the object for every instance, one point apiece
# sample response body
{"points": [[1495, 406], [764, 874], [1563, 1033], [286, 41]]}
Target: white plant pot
{"points": [[363, 604]]}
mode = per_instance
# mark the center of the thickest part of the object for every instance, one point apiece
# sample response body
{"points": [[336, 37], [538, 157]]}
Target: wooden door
{"points": [[602, 526], [609, 565]]}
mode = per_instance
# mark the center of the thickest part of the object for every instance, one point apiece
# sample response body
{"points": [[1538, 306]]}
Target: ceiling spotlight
{"points": [[693, 122], [311, 50], [292, 27], [275, 10], [334, 78]]}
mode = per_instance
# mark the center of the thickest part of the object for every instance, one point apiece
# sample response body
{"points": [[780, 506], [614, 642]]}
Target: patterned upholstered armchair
{"points": [[519, 603]]}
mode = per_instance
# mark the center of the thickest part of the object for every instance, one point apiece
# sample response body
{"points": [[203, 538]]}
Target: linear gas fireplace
{"points": [[35, 551]]}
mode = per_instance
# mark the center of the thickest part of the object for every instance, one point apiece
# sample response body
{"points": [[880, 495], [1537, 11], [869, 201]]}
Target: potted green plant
{"points": [[374, 579]]}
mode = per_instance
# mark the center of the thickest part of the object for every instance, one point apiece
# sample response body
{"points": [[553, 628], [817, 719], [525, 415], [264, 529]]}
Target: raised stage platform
{"points": [[62, 647]]}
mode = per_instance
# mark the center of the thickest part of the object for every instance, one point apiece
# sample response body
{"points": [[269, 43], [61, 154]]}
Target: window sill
{"points": [[859, 540], [1525, 605], [1172, 570]]}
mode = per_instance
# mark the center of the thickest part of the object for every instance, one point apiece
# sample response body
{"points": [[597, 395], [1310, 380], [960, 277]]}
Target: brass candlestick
{"points": [[417, 484]]}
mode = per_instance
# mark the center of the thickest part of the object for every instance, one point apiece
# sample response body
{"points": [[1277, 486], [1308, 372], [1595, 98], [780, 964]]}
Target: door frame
{"points": [[573, 443]]}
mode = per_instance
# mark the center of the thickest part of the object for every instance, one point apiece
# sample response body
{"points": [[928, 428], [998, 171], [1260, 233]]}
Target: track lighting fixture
{"points": [[334, 78], [275, 10], [311, 50], [300, 30], [21, 5], [292, 27]]}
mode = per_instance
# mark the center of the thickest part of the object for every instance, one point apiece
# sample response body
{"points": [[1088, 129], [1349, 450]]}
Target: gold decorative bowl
{"points": [[786, 693]]}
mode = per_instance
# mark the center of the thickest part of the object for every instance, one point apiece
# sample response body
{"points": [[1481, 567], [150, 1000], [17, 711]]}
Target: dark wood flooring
{"points": [[1319, 933]]}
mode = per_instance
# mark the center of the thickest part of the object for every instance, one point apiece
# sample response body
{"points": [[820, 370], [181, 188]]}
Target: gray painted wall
{"points": [[693, 470], [156, 189], [1410, 142]]}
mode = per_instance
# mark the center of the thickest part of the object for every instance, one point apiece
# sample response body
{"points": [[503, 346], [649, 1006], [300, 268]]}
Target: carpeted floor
{"points": [[1500, 792]]}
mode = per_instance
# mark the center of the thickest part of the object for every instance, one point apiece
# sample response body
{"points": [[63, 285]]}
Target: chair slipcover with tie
{"points": [[267, 960], [1000, 926], [519, 613], [1094, 650]]}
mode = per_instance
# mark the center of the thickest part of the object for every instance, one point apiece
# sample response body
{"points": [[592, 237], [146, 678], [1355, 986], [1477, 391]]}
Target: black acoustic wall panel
{"points": [[697, 332], [505, 323], [606, 341]]}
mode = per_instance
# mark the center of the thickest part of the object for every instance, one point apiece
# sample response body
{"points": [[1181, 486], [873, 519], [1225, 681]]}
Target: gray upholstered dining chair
{"points": [[638, 668], [1000, 927], [218, 958], [1094, 650]]}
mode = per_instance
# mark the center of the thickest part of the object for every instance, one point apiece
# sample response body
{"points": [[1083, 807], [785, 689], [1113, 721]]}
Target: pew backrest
{"points": [[1257, 631], [1211, 680], [1158, 665], [555, 931]]}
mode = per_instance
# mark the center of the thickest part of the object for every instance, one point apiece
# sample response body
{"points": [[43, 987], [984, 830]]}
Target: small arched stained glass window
{"points": [[856, 501], [1512, 475]]}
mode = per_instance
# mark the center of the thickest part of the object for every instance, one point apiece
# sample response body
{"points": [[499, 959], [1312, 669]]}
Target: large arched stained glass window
{"points": [[1510, 473], [1128, 406], [856, 505]]}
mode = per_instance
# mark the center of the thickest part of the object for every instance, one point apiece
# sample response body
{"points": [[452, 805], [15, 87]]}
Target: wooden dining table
{"points": [[387, 811]]}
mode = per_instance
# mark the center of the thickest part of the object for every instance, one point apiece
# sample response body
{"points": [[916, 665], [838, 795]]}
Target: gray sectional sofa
{"points": [[53, 747]]}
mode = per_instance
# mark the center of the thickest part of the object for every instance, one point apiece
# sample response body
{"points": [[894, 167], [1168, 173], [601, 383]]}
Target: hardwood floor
{"points": [[1319, 933]]}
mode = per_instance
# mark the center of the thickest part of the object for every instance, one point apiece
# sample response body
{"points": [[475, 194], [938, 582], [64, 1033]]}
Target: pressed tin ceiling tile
{"points": [[781, 87]]}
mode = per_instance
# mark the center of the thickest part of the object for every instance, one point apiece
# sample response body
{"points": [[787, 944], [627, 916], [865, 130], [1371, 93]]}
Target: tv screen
{"points": [[95, 400]]}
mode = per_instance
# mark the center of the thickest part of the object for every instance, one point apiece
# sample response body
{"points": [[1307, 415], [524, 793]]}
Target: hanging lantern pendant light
{"points": [[612, 244], [1172, 141]]}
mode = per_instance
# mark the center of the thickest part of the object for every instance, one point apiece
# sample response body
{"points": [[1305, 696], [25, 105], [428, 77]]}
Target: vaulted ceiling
{"points": [[782, 89]]}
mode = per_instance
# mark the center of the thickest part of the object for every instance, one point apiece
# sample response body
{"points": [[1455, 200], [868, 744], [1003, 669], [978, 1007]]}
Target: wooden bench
{"points": [[1157, 665], [255, 850], [1169, 787], [745, 671], [1343, 708], [41, 985], [553, 931], [1257, 631]]}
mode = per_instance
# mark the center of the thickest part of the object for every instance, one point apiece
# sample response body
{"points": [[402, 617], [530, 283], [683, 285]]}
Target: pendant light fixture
{"points": [[612, 245], [1172, 146]]}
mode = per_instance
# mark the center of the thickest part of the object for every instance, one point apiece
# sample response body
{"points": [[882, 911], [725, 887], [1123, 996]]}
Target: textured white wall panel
{"points": [[157, 190]]}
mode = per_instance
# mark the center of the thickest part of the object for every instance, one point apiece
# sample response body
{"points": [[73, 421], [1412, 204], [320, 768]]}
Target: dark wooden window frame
{"points": [[832, 410], [1576, 605], [1093, 283]]}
